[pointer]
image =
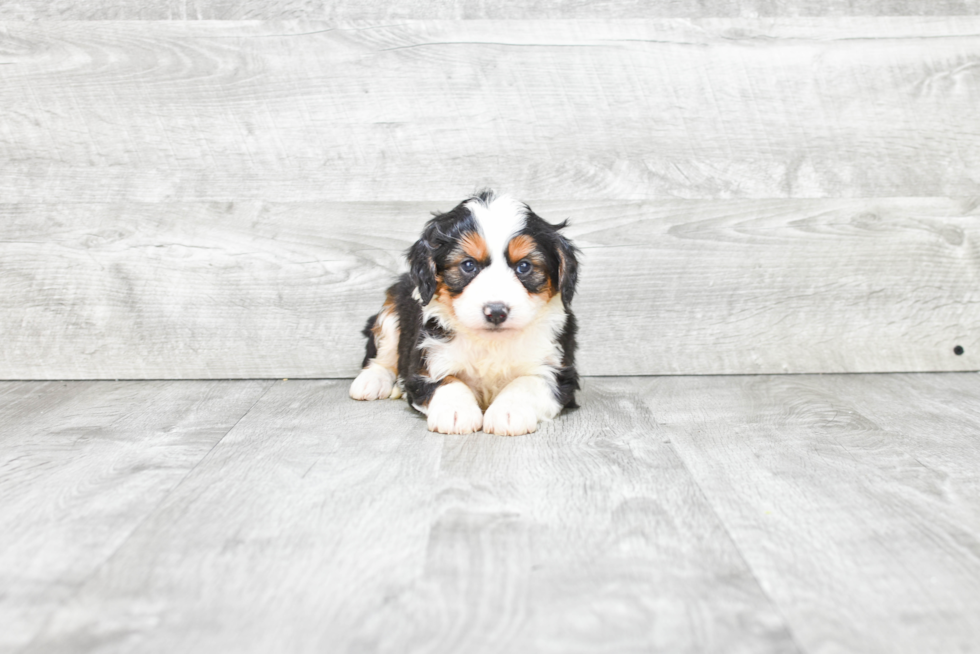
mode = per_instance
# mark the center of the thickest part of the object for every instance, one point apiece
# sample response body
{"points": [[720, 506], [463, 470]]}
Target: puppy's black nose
{"points": [[495, 312]]}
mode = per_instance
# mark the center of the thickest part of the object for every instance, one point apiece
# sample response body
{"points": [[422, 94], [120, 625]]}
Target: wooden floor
{"points": [[836, 513]]}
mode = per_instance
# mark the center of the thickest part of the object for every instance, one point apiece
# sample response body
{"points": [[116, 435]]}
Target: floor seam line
{"points": [[741, 555]]}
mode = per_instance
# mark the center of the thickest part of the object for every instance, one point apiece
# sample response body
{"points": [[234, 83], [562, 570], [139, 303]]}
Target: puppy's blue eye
{"points": [[523, 268], [468, 266]]}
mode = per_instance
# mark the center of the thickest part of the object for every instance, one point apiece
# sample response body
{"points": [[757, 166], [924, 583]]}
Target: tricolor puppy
{"points": [[480, 332]]}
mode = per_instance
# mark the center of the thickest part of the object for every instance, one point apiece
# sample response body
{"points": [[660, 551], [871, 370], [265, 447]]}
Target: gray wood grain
{"points": [[853, 498], [324, 524], [82, 464], [199, 290], [469, 9], [420, 110]]}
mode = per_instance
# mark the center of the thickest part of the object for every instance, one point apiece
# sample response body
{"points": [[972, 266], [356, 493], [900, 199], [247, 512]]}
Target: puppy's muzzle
{"points": [[495, 312]]}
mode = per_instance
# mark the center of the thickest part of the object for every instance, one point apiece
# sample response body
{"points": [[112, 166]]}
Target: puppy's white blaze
{"points": [[487, 362], [497, 283], [498, 221]]}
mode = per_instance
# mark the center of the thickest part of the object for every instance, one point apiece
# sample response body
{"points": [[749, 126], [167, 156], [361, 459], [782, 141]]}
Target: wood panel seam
{"points": [[738, 549]]}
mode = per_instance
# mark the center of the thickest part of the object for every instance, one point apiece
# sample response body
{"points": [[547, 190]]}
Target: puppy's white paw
{"points": [[453, 410], [510, 416], [373, 383]]}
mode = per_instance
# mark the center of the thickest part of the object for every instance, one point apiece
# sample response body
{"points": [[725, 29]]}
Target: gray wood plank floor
{"points": [[745, 514], [81, 465], [855, 499]]}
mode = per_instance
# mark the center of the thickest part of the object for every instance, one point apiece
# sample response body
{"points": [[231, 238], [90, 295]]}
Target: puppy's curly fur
{"points": [[480, 333]]}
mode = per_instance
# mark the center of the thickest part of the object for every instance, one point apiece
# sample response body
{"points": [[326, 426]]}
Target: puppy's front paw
{"points": [[510, 416], [373, 383], [453, 410]]}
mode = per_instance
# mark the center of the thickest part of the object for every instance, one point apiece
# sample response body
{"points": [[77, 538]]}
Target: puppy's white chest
{"points": [[488, 366]]}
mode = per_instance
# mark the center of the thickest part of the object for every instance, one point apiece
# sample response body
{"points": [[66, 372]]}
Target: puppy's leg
{"points": [[453, 409], [378, 378], [519, 408]]}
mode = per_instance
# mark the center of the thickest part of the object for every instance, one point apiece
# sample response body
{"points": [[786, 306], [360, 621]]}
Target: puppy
{"points": [[480, 333]]}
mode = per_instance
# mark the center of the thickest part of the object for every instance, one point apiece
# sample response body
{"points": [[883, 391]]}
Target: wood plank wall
{"points": [[469, 9], [757, 187]]}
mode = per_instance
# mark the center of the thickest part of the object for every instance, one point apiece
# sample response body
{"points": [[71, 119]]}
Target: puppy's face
{"points": [[491, 265]]}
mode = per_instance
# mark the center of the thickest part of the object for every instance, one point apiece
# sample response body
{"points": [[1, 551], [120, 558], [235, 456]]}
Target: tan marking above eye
{"points": [[474, 246], [520, 246]]}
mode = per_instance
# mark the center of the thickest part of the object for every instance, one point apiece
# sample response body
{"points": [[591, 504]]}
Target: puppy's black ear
{"points": [[422, 267], [567, 267]]}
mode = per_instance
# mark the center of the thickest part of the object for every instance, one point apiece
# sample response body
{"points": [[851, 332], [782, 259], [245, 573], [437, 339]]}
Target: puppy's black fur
{"points": [[429, 261]]}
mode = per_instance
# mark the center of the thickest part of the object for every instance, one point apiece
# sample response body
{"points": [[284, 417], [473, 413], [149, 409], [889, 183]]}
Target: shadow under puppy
{"points": [[480, 332]]}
